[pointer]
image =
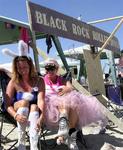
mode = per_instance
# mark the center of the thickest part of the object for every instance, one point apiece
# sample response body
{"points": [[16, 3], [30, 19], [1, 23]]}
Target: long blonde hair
{"points": [[15, 74]]}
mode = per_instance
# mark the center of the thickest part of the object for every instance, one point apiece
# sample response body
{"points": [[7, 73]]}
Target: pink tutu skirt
{"points": [[88, 108]]}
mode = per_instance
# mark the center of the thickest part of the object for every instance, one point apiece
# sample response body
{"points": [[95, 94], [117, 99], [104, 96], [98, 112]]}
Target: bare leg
{"points": [[73, 118], [63, 109]]}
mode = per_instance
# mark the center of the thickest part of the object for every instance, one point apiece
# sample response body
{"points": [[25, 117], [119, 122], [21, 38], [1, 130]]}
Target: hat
{"points": [[51, 61]]}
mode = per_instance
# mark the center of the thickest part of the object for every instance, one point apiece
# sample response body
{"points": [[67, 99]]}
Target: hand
{"points": [[21, 118], [62, 90], [39, 124]]}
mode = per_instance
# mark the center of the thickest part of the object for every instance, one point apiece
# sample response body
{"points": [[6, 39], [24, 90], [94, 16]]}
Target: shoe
{"points": [[34, 142], [61, 140], [102, 131], [72, 142], [21, 141], [76, 141], [21, 147], [63, 127]]}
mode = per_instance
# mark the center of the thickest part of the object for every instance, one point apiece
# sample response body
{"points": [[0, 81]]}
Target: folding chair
{"points": [[115, 102], [5, 116]]}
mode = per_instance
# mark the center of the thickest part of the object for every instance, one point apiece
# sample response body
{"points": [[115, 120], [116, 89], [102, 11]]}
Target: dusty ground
{"points": [[93, 140]]}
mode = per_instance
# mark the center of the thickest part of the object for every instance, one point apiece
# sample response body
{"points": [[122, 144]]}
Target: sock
{"points": [[22, 111], [71, 130], [22, 126], [63, 115], [33, 133]]}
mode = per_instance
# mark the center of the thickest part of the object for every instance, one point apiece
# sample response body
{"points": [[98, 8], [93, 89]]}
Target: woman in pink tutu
{"points": [[68, 109]]}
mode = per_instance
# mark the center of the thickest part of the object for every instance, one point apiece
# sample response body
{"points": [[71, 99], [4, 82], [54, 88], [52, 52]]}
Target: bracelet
{"points": [[15, 116]]}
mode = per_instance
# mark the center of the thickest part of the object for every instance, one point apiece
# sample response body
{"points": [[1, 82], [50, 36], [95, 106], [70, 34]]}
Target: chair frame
{"points": [[5, 116], [115, 103]]}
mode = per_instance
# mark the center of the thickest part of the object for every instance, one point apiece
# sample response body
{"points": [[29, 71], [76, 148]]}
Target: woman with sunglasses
{"points": [[67, 109], [25, 100]]}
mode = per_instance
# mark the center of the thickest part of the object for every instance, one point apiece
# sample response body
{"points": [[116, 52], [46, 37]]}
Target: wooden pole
{"points": [[104, 20], [110, 37], [33, 38]]}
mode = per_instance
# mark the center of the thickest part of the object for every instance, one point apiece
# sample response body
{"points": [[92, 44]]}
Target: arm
{"points": [[10, 90], [66, 88], [41, 97]]}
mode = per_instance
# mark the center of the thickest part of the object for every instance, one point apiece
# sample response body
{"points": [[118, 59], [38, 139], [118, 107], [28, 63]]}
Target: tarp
{"points": [[10, 30]]}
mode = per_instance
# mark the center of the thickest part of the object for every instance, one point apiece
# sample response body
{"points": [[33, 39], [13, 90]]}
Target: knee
{"points": [[20, 104], [63, 107], [24, 103]]}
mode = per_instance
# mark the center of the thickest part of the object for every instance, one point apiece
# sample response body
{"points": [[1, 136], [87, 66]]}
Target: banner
{"points": [[51, 22]]}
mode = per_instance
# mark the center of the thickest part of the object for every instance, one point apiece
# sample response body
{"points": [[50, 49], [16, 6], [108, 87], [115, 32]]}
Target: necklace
{"points": [[50, 83]]}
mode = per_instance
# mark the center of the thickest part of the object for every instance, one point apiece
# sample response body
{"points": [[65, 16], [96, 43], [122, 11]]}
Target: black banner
{"points": [[54, 23]]}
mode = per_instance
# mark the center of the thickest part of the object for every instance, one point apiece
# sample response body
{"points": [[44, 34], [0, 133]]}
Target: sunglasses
{"points": [[50, 67]]}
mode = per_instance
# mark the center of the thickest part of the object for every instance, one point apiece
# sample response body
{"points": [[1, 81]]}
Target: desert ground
{"points": [[94, 141]]}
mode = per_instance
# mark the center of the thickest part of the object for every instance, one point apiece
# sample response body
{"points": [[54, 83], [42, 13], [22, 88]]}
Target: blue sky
{"points": [[90, 10]]}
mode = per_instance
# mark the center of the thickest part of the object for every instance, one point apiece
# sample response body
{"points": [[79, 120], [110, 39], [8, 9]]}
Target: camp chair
{"points": [[115, 102], [5, 116]]}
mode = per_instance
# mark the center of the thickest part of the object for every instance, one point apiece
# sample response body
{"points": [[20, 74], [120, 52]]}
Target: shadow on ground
{"points": [[95, 142]]}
